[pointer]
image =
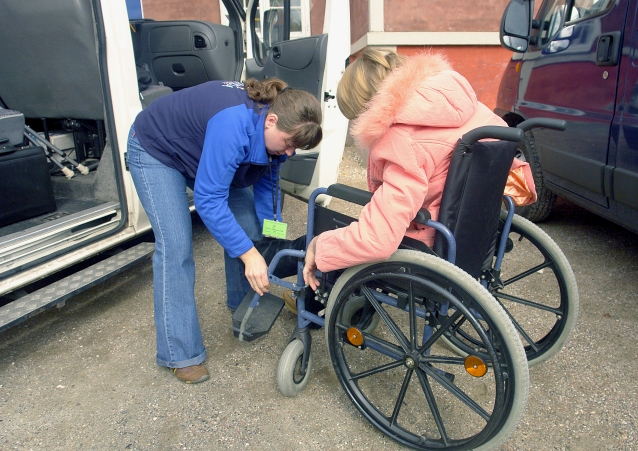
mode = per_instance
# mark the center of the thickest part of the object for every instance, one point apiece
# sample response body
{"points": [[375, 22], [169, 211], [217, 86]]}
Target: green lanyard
{"points": [[275, 188]]}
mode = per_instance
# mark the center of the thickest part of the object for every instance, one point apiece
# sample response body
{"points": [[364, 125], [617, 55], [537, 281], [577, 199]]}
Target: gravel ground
{"points": [[84, 376]]}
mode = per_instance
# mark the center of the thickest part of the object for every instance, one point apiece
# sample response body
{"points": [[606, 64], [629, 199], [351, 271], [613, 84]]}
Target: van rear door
{"points": [[571, 72]]}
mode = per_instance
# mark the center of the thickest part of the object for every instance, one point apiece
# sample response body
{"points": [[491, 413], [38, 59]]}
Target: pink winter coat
{"points": [[410, 129]]}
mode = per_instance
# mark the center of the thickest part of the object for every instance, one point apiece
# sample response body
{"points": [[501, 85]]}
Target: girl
{"points": [[408, 115]]}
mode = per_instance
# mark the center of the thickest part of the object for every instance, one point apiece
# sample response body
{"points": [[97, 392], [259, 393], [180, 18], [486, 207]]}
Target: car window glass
{"points": [[560, 12], [268, 19], [553, 20], [585, 8]]}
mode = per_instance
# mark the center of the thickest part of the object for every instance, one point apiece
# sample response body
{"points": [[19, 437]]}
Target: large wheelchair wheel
{"points": [[538, 290], [403, 379]]}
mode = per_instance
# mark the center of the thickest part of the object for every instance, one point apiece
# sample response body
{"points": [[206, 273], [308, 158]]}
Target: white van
{"points": [[73, 76]]}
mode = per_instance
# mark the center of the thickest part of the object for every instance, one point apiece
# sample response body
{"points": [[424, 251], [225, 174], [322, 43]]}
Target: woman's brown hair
{"points": [[298, 111], [362, 79]]}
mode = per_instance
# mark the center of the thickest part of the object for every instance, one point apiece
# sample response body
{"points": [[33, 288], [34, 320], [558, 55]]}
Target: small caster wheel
{"points": [[290, 380]]}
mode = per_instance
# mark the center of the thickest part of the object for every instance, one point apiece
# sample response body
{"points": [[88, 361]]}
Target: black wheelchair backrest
{"points": [[472, 198]]}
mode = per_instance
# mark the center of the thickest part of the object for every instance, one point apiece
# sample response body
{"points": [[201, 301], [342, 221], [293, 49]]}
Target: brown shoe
{"points": [[192, 374], [290, 302]]}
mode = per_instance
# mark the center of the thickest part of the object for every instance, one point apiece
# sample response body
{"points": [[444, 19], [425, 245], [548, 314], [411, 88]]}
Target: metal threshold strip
{"points": [[65, 223], [20, 248]]}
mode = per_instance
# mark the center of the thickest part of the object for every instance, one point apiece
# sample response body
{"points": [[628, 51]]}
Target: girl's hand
{"points": [[256, 271], [309, 270]]}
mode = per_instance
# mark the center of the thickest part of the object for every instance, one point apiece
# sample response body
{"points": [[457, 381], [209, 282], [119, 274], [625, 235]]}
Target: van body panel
{"points": [[564, 82], [581, 67]]}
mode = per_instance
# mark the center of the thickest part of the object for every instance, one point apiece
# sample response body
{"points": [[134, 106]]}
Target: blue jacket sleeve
{"points": [[225, 146]]}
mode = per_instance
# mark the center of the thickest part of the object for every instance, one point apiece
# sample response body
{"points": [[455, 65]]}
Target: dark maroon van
{"points": [[576, 60]]}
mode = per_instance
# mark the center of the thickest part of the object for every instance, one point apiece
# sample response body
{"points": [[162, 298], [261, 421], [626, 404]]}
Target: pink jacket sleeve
{"points": [[383, 222]]}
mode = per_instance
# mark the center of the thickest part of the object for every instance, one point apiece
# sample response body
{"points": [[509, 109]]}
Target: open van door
{"points": [[304, 61]]}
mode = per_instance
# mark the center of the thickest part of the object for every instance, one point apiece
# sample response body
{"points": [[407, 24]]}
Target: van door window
{"points": [[565, 12]]}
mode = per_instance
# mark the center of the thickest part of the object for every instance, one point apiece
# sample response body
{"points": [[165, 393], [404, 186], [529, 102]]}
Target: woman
{"points": [[219, 138], [408, 114]]}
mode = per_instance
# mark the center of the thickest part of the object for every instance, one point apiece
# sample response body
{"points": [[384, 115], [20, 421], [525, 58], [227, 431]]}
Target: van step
{"points": [[33, 303]]}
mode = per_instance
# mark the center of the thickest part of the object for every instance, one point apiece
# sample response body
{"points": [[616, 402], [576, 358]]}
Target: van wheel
{"points": [[539, 210]]}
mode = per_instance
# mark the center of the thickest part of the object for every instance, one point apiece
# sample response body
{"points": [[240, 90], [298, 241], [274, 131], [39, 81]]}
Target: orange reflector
{"points": [[518, 67], [355, 337], [475, 366]]}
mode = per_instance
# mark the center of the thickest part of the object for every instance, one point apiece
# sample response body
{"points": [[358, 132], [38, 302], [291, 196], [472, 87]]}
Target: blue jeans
{"points": [[162, 192], [242, 204]]}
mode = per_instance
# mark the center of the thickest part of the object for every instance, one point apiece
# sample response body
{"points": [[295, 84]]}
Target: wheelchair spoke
{"points": [[454, 390], [439, 332], [522, 331], [412, 314], [434, 408], [377, 370], [529, 272], [378, 344], [404, 389], [443, 360], [509, 297], [392, 326]]}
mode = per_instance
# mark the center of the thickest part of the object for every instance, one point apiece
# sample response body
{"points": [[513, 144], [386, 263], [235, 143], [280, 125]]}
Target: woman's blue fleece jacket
{"points": [[213, 133]]}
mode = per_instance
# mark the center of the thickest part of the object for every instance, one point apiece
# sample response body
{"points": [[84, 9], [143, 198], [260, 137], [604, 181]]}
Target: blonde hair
{"points": [[362, 79], [298, 111]]}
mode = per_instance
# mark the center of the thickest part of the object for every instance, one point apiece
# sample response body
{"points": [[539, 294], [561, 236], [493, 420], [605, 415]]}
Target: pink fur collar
{"points": [[424, 91]]}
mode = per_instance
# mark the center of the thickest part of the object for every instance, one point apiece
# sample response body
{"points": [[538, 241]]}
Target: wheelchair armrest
{"points": [[349, 193], [422, 216], [361, 197]]}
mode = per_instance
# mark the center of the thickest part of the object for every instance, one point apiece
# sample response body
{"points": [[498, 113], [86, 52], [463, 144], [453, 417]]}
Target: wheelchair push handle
{"points": [[492, 132], [554, 124]]}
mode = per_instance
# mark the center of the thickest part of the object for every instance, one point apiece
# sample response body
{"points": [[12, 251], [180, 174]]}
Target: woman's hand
{"points": [[310, 268], [256, 271]]}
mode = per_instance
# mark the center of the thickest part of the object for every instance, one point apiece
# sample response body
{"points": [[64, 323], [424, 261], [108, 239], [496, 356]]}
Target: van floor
{"points": [[65, 206]]}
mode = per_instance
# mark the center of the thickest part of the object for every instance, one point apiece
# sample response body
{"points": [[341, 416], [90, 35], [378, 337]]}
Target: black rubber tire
{"points": [[538, 291], [445, 407], [290, 381], [539, 210]]}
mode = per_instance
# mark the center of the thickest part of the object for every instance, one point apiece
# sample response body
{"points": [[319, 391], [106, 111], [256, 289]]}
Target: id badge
{"points": [[274, 229]]}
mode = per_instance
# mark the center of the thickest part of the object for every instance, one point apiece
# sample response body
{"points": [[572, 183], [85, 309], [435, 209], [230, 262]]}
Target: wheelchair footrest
{"points": [[261, 318]]}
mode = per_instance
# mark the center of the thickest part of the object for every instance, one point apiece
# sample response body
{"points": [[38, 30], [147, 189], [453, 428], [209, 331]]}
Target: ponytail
{"points": [[264, 91]]}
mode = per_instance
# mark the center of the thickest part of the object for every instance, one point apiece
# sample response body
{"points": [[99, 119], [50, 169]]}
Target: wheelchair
{"points": [[432, 346]]}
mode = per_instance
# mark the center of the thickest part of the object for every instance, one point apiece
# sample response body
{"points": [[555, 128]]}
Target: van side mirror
{"points": [[516, 25]]}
